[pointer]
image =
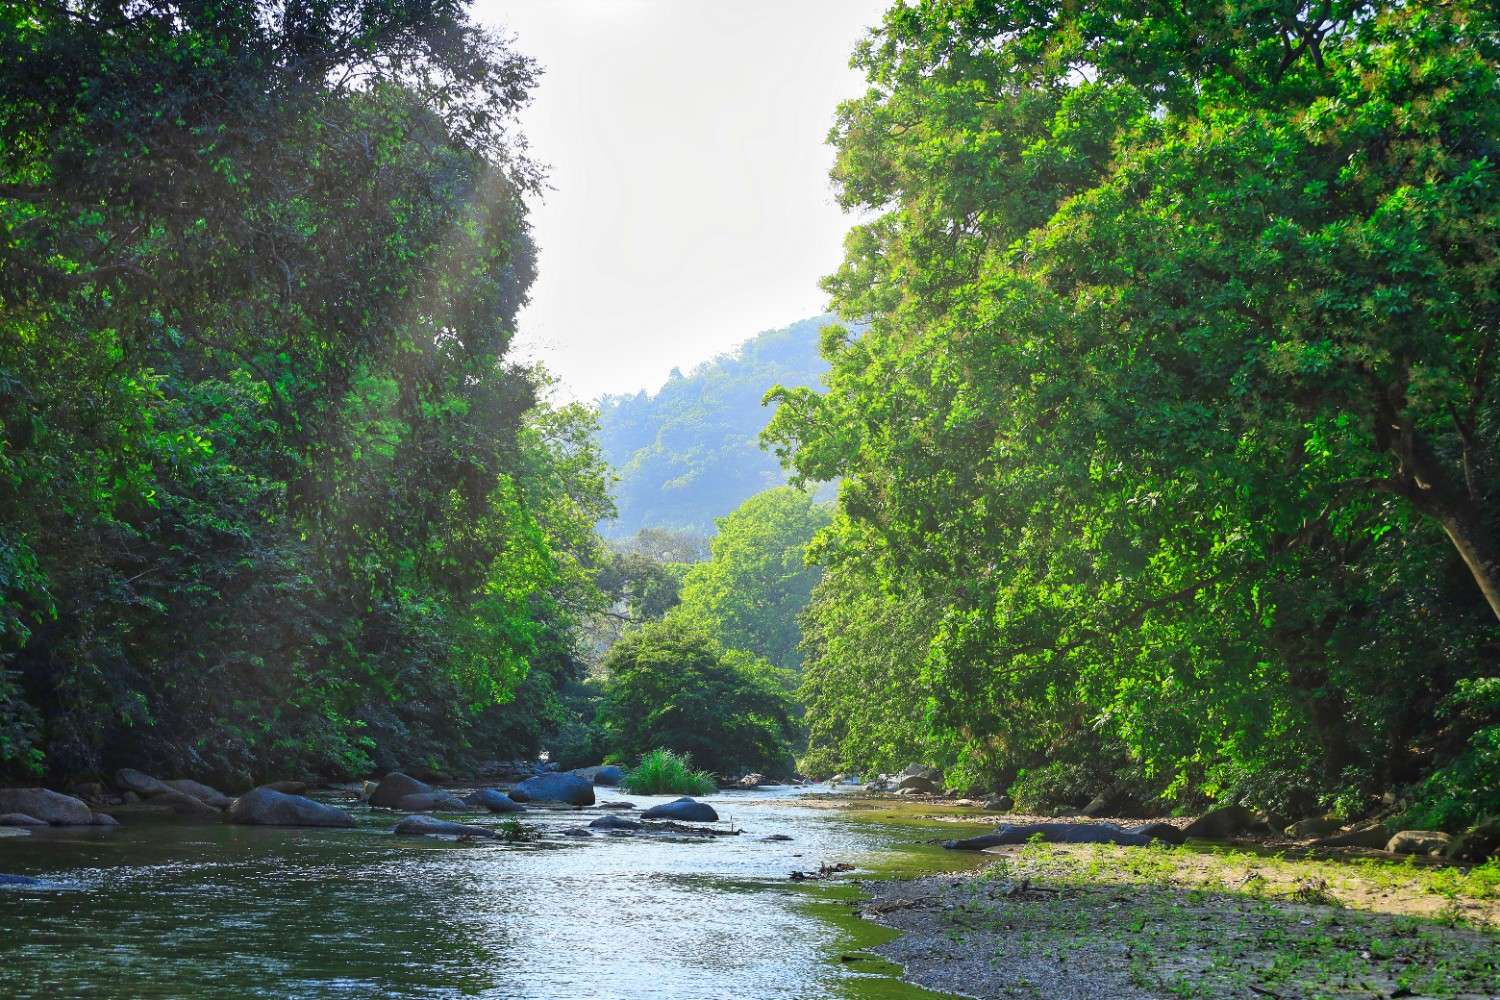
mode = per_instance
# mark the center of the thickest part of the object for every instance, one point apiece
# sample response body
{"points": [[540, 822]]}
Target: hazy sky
{"points": [[691, 205]]}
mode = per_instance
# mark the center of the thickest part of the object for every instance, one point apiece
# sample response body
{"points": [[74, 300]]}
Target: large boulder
{"points": [[685, 809], [268, 807], [20, 819], [201, 792], [1052, 833], [1099, 805], [396, 786], [46, 805], [104, 819], [602, 774], [1479, 842], [918, 784], [754, 780], [1314, 826], [569, 788], [1159, 831], [1429, 843], [494, 800], [1370, 834], [1223, 823], [419, 826], [128, 779], [927, 771], [430, 801], [183, 804], [615, 823], [288, 787]]}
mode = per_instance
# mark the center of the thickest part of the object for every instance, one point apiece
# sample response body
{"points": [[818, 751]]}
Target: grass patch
{"points": [[665, 772]]}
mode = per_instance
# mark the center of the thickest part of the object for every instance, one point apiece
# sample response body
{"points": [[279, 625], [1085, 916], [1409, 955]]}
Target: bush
{"points": [[662, 772]]}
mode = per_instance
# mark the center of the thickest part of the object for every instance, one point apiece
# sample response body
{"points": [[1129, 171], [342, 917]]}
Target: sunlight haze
{"points": [[690, 205]]}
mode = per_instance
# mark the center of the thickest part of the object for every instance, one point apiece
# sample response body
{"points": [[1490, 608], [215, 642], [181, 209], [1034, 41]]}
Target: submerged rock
{"points": [[615, 823], [104, 819], [569, 788], [1053, 833], [267, 807], [419, 826], [396, 786], [494, 800], [46, 805], [686, 809]]}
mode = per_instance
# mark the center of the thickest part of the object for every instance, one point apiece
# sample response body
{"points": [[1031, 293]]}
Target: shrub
{"points": [[663, 772]]}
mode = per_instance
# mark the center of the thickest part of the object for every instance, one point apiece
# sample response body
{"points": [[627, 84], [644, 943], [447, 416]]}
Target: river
{"points": [[160, 907]]}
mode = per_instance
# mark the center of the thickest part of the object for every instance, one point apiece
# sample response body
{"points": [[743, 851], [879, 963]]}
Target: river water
{"points": [[159, 908]]}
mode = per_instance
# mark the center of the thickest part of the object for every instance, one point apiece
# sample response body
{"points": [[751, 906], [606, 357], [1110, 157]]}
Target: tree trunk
{"points": [[1478, 554]]}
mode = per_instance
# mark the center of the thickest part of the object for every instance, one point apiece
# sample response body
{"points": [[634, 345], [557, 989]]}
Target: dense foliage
{"points": [[757, 580], [689, 453], [1169, 456], [270, 498], [671, 685]]}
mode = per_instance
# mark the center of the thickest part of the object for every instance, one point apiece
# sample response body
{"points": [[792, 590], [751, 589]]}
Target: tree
{"points": [[1176, 397], [672, 686], [757, 579]]}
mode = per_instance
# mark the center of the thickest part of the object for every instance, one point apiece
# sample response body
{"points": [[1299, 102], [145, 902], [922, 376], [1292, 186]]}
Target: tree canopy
{"points": [[1175, 409]]}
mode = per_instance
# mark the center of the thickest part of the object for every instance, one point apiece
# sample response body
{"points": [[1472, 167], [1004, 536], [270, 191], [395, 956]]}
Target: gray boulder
{"points": [[1052, 833], [1313, 826], [1223, 823], [917, 784], [685, 809], [429, 801], [268, 807], [287, 787], [104, 819], [201, 792], [130, 780], [396, 786], [20, 819], [752, 781], [1429, 843], [1000, 803], [569, 788], [1370, 834], [46, 805], [494, 800], [615, 823], [617, 805], [419, 826], [1159, 831], [927, 771], [183, 804], [602, 774]]}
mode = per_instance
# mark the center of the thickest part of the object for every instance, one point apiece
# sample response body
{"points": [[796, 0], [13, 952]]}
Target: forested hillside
{"points": [[690, 452], [1170, 459], [271, 497]]}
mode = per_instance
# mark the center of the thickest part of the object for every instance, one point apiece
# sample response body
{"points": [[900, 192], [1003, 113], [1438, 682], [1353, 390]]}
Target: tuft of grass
{"points": [[512, 832], [665, 772]]}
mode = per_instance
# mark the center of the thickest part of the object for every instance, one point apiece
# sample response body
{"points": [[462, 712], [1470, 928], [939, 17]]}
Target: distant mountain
{"points": [[690, 452]]}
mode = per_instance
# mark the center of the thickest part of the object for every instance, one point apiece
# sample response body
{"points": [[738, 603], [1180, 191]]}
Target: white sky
{"points": [[691, 206]]}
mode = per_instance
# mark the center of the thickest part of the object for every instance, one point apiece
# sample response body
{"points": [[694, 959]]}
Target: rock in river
{"points": [[268, 807], [615, 823], [430, 801], [201, 792], [46, 805], [131, 780], [569, 788], [417, 826], [20, 819], [396, 786], [688, 810], [1053, 833], [494, 800]]}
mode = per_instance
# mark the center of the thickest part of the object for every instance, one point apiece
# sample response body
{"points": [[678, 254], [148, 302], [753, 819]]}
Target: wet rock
{"points": [[602, 774], [104, 819], [1429, 843], [751, 781], [1223, 823], [1479, 842], [775, 838], [46, 805], [1313, 826], [183, 804], [130, 780], [88, 791], [20, 819], [614, 823], [686, 809], [577, 831], [1160, 831], [617, 805], [396, 786], [494, 800], [569, 788], [267, 807], [201, 792], [1052, 833], [288, 787], [430, 801], [420, 826], [1371, 834], [917, 783]]}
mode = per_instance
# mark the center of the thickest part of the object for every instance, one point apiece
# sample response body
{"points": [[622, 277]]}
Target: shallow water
{"points": [[164, 908]]}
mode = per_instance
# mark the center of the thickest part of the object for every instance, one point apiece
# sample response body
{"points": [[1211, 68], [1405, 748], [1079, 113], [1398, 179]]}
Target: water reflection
{"points": [[161, 909]]}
